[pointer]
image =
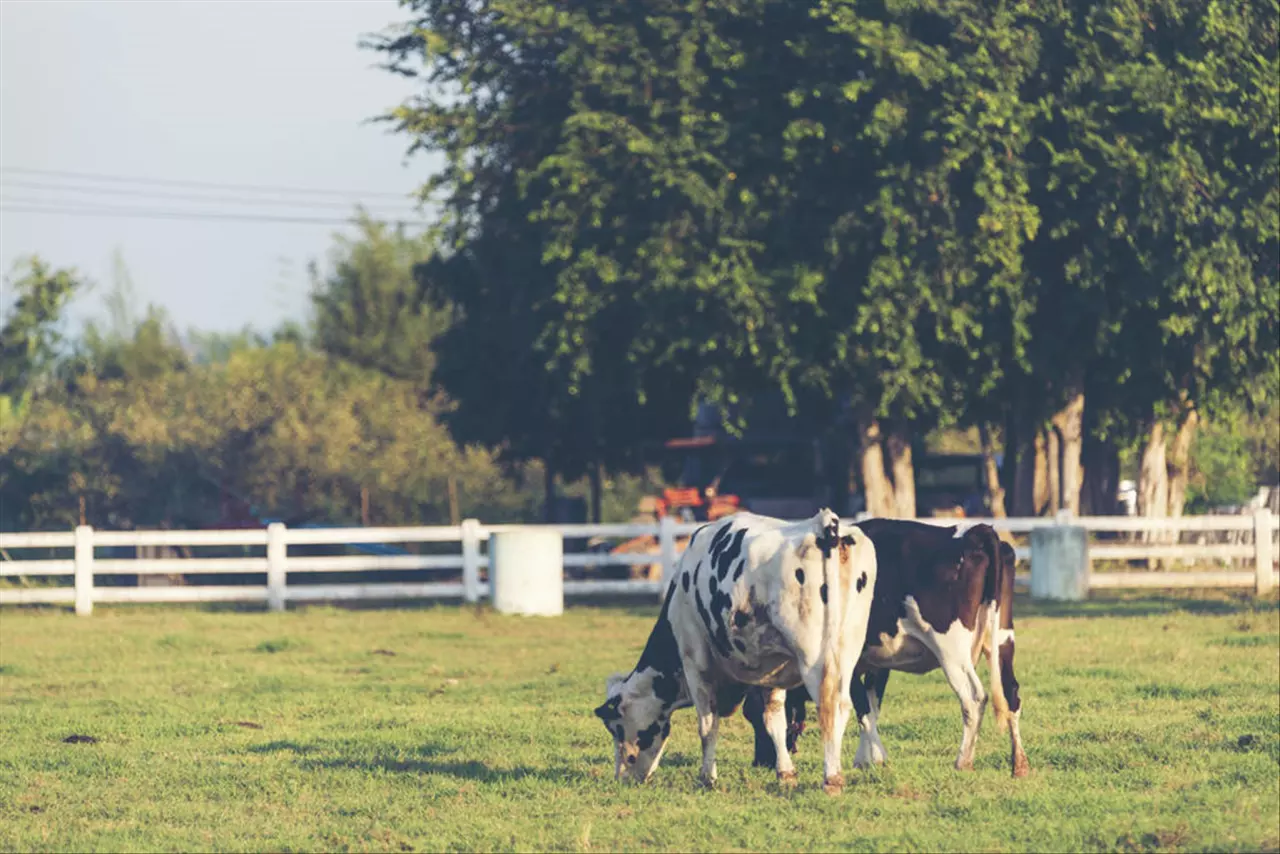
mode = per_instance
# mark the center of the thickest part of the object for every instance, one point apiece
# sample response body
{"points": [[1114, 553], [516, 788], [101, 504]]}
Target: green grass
{"points": [[1150, 724]]}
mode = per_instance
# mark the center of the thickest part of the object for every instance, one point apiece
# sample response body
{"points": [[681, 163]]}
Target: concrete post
{"points": [[470, 560], [277, 552], [526, 572], [84, 570], [1060, 563], [1263, 555]]}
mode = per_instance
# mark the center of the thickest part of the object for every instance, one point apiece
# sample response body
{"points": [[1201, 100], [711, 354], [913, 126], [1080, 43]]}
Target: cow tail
{"points": [[832, 623], [999, 621]]}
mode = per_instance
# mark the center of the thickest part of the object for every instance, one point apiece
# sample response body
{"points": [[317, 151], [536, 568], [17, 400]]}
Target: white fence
{"points": [[1237, 541]]}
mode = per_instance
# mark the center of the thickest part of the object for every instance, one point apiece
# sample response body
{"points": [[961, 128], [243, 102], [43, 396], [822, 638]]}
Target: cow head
{"points": [[639, 721]]}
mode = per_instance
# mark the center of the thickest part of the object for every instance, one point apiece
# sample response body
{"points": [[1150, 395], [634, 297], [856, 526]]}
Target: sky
{"points": [[267, 93]]}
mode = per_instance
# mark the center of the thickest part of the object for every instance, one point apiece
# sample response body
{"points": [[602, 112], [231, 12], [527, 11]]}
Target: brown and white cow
{"points": [[755, 601], [943, 597]]}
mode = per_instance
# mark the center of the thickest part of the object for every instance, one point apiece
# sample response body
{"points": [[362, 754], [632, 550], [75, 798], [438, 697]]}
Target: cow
{"points": [[943, 596], [754, 601]]}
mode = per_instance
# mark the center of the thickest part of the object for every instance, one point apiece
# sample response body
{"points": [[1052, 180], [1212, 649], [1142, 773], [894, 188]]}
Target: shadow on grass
{"points": [[426, 759], [1146, 604]]}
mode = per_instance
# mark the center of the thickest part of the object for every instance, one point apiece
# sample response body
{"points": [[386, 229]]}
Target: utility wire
{"points": [[212, 185], [126, 213], [161, 194]]}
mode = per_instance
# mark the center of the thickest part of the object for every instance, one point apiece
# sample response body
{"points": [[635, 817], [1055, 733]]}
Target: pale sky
{"points": [[262, 93]]}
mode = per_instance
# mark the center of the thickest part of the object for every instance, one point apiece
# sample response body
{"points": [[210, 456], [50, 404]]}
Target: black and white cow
{"points": [[755, 601], [943, 596]]}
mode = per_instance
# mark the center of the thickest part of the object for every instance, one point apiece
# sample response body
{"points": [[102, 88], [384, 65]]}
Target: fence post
{"points": [[277, 555], [1262, 551], [666, 551], [84, 570], [1060, 563], [470, 560], [526, 571]]}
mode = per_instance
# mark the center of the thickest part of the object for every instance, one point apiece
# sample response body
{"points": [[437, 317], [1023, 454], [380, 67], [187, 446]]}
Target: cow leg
{"points": [[954, 650], [1000, 660], [867, 705], [775, 721], [963, 679], [796, 698], [753, 707], [704, 702], [831, 723]]}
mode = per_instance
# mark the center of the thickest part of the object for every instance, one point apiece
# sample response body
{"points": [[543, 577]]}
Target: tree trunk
{"points": [[1179, 462], [1053, 470], [1153, 477], [1040, 474], [549, 493], [995, 492], [364, 506], [1069, 427], [898, 445], [876, 486], [596, 476], [1101, 478], [455, 515]]}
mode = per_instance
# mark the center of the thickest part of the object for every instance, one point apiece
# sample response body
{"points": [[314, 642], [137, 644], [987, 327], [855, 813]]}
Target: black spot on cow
{"points": [[666, 730], [646, 736], [684, 581], [847, 540], [631, 760], [704, 614], [800, 576], [720, 605], [862, 582], [619, 733], [739, 645], [741, 618], [725, 558], [666, 689], [718, 542], [728, 697], [693, 538], [737, 573], [608, 712], [822, 591], [829, 539]]}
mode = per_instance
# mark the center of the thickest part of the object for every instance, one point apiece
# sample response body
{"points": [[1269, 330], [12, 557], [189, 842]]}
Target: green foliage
{"points": [[368, 310], [30, 337], [477, 734], [945, 213], [1234, 452]]}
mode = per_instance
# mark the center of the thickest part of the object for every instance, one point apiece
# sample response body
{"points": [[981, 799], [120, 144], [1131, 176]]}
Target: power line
{"points": [[136, 213], [160, 194], [212, 185]]}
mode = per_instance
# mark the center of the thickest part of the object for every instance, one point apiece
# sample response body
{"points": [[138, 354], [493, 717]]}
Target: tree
{"points": [[30, 338], [898, 215], [368, 309]]}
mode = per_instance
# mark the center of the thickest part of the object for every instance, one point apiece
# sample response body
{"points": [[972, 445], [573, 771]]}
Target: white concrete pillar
{"points": [[1060, 563], [526, 571]]}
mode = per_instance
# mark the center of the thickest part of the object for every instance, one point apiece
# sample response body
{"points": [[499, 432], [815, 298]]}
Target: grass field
{"points": [[1150, 724]]}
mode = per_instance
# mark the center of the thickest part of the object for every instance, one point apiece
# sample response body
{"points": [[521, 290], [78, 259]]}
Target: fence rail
{"points": [[1248, 538]]}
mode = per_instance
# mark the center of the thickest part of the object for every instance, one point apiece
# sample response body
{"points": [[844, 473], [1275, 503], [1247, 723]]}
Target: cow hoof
{"points": [[1021, 767], [833, 785], [964, 764], [788, 779], [707, 782]]}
